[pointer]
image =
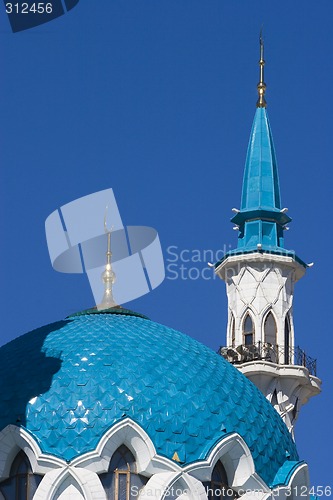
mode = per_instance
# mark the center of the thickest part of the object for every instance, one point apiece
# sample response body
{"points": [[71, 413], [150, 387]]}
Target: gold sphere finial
{"points": [[261, 87]]}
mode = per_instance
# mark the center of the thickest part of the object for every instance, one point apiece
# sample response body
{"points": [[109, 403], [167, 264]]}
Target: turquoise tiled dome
{"points": [[68, 382]]}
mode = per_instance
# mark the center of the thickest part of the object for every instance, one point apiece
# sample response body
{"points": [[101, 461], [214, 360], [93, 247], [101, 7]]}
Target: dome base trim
{"points": [[111, 310], [82, 474]]}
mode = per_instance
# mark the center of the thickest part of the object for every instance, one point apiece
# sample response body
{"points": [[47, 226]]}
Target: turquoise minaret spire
{"points": [[260, 275], [261, 182], [261, 219]]}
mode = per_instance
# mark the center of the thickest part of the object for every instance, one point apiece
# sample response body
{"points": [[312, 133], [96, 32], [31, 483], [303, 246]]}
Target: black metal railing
{"points": [[269, 352]]}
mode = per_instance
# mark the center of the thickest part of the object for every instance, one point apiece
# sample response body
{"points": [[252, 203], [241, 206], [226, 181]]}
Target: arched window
{"points": [[274, 400], [270, 329], [232, 331], [287, 340], [248, 330], [295, 410], [122, 482], [218, 487], [22, 482]]}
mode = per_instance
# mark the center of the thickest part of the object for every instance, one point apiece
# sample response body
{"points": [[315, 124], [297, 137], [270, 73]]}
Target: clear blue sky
{"points": [[155, 98]]}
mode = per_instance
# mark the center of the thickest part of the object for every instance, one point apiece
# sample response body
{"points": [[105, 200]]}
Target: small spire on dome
{"points": [[108, 276], [261, 87]]}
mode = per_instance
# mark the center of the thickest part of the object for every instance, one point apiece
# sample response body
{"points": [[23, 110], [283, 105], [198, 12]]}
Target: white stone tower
{"points": [[260, 275]]}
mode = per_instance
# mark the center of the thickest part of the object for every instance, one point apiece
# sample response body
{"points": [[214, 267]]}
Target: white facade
{"points": [[259, 284]]}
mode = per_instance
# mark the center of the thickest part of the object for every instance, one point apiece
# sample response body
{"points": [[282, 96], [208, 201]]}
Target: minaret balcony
{"points": [[263, 351]]}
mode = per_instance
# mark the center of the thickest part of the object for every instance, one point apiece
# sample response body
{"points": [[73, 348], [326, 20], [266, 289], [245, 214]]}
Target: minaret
{"points": [[260, 275]]}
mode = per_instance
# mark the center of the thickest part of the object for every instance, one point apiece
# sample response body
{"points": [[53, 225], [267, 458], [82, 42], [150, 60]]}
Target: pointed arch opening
{"points": [[217, 488], [22, 482], [270, 330], [232, 330], [287, 330], [122, 482], [274, 400], [295, 410], [248, 330], [69, 489]]}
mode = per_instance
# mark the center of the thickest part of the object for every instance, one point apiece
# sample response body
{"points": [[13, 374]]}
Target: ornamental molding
{"points": [[79, 478]]}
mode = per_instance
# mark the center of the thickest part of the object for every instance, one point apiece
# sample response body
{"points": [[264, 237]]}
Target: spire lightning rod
{"points": [[261, 87], [108, 232], [108, 276]]}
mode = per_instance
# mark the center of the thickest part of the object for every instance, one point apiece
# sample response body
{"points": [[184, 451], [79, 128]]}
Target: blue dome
{"points": [[68, 382]]}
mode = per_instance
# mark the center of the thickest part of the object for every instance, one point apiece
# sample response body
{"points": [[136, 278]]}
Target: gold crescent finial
{"points": [[261, 87]]}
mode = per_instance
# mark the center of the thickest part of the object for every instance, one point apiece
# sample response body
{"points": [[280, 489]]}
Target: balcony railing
{"points": [[269, 352]]}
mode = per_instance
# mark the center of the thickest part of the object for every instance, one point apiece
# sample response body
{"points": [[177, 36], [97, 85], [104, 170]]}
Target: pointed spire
{"points": [[260, 221], [108, 276], [261, 87], [261, 187]]}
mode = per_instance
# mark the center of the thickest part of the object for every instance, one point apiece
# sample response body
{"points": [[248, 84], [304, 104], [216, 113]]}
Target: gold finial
{"points": [[108, 276], [261, 87]]}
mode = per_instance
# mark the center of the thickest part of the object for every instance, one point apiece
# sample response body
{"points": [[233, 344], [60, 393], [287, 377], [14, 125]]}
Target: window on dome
{"points": [[270, 329], [248, 330], [122, 482], [22, 482], [218, 487]]}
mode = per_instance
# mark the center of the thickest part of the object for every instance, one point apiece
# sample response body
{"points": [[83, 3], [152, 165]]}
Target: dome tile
{"points": [[186, 400]]}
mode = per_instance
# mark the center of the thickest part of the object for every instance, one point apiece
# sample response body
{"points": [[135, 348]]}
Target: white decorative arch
{"points": [[190, 487], [130, 434], [12, 440], [268, 307], [70, 493], [157, 486], [178, 485], [80, 477], [269, 310], [66, 480], [248, 311], [298, 484], [235, 457], [231, 450], [300, 480]]}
